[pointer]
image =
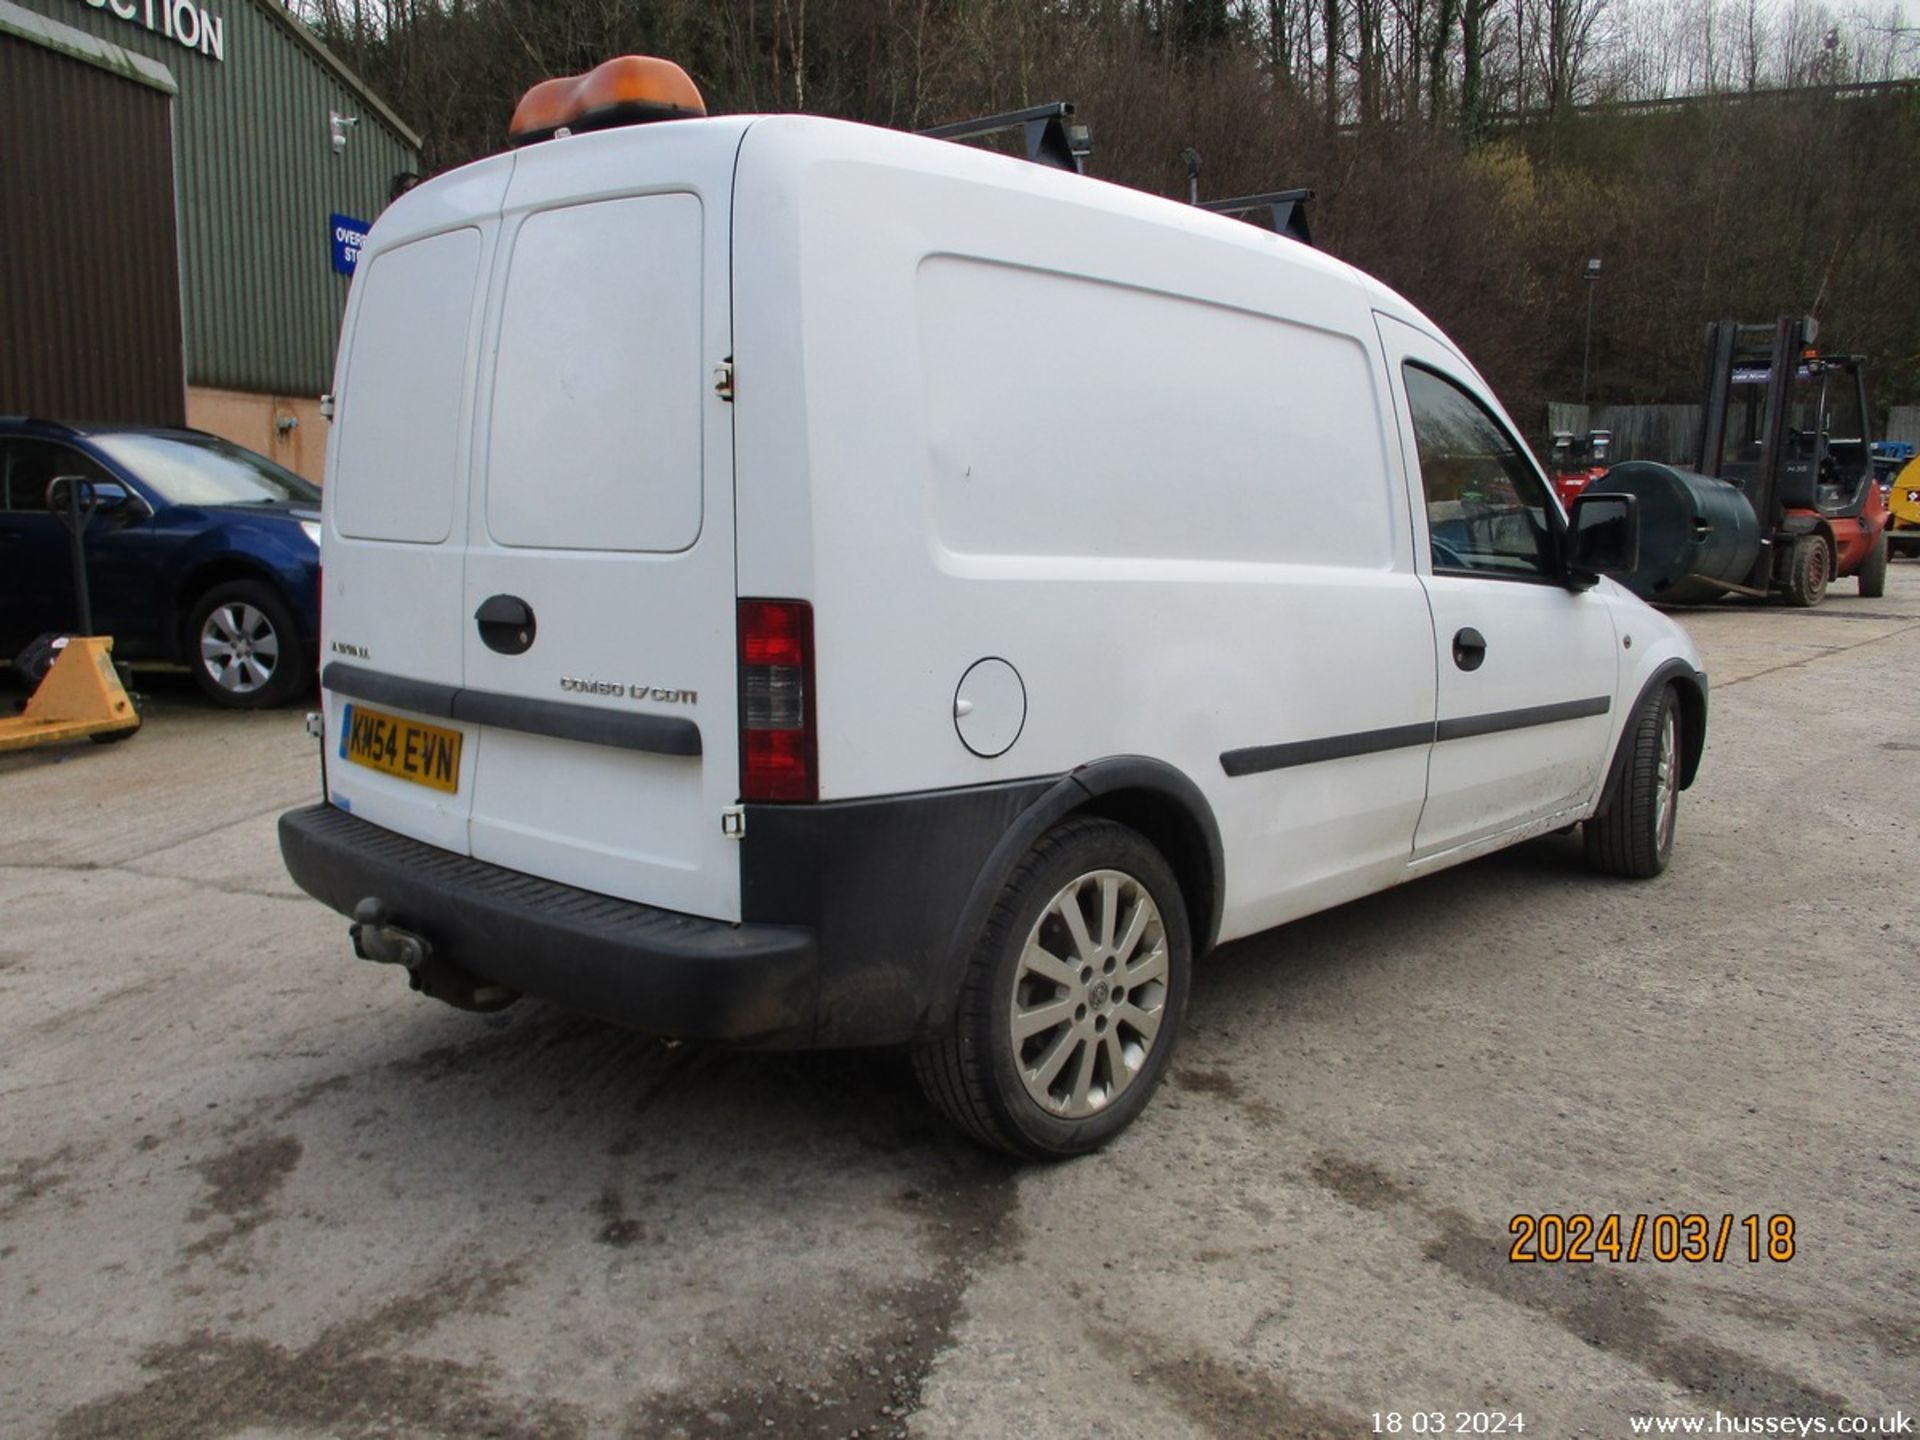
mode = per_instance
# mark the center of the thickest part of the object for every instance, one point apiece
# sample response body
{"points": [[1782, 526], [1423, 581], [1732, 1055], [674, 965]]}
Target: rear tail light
{"points": [[779, 759]]}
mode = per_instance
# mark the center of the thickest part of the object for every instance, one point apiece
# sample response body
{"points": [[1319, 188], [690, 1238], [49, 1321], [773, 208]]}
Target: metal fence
{"points": [[1669, 433]]}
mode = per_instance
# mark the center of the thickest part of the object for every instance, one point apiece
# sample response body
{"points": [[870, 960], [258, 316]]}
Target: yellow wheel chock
{"points": [[80, 698]]}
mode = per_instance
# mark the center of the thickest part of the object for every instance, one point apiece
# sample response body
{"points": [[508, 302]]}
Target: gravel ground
{"points": [[250, 1186]]}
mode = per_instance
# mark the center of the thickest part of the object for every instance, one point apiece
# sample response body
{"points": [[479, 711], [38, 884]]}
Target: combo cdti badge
{"points": [[796, 584]]}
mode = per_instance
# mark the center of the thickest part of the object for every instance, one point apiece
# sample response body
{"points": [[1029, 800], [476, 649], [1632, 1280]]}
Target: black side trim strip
{"points": [[588, 724], [1258, 758], [423, 697], [1468, 726]]}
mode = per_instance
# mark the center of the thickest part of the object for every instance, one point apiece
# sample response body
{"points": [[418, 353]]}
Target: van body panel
{"points": [[602, 502], [1014, 472], [1029, 343]]}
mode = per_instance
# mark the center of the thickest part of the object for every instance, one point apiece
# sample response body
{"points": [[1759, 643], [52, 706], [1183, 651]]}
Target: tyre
{"points": [[1632, 834], [32, 663], [1807, 582], [1873, 570], [242, 647], [1073, 1000]]}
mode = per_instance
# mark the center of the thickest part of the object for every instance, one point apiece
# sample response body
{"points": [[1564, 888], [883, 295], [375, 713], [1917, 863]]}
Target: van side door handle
{"points": [[506, 624], [1469, 648]]}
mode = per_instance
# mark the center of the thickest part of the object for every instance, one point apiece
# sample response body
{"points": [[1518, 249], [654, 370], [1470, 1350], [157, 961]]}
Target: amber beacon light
{"points": [[629, 90]]}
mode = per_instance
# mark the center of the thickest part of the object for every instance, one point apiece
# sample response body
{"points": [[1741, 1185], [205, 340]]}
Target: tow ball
{"points": [[376, 938]]}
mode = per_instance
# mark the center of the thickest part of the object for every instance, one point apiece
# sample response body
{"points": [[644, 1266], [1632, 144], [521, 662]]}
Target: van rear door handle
{"points": [[1469, 648], [506, 624]]}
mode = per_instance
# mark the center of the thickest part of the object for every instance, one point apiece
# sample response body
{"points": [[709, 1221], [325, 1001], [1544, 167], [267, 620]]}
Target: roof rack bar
{"points": [[1284, 210], [1052, 136]]}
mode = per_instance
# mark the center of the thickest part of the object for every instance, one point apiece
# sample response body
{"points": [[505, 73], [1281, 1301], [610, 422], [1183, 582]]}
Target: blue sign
{"points": [[348, 235]]}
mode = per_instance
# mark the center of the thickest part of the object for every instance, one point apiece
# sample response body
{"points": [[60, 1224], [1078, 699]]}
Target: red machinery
{"points": [[1578, 461]]}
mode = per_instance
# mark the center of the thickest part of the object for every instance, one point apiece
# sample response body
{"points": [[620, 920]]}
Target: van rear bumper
{"points": [[654, 970]]}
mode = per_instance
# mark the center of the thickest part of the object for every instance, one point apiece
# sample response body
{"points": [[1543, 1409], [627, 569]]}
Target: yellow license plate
{"points": [[425, 754]]}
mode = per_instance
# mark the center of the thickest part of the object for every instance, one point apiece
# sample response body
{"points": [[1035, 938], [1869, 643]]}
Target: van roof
{"points": [[807, 138]]}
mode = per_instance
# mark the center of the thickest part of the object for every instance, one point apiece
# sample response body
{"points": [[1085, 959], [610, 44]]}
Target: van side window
{"points": [[1487, 509]]}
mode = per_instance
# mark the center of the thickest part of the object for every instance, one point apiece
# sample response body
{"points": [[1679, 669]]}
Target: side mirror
{"points": [[113, 498], [1603, 537], [109, 498], [68, 493]]}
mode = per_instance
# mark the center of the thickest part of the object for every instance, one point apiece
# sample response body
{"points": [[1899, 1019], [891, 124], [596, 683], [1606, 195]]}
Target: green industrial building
{"points": [[184, 183]]}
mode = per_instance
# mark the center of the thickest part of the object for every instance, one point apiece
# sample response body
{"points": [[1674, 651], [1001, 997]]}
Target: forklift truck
{"points": [[1577, 461], [1787, 426]]}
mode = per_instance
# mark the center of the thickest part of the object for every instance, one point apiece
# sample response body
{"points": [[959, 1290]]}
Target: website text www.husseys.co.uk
{"points": [[1720, 1423]]}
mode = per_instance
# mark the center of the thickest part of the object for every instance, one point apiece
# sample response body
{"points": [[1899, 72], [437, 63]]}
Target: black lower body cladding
{"points": [[850, 908], [883, 886], [632, 964]]}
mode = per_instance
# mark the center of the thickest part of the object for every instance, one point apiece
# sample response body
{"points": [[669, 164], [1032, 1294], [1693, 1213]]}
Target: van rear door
{"points": [[395, 508], [598, 607]]}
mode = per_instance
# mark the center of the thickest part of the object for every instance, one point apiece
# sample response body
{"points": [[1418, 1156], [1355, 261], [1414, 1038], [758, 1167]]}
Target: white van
{"points": [[797, 584]]}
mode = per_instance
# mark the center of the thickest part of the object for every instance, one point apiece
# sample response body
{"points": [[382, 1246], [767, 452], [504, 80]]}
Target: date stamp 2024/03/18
{"points": [[1692, 1239]]}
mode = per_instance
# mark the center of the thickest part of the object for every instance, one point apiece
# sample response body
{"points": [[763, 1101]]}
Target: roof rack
{"points": [[1284, 210], [1053, 137]]}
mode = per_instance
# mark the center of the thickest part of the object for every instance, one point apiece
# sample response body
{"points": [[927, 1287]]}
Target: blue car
{"points": [[200, 553]]}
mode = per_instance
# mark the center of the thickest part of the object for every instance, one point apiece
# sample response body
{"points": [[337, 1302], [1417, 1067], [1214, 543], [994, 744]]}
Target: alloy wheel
{"points": [[1089, 992], [239, 647], [1666, 782]]}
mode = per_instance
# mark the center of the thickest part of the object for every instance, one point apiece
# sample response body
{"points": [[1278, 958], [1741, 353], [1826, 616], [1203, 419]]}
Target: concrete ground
{"points": [[250, 1186]]}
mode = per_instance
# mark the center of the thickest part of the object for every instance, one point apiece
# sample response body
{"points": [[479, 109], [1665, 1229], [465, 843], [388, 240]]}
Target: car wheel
{"points": [[1632, 834], [242, 647], [1807, 584], [1873, 570], [1073, 1000]]}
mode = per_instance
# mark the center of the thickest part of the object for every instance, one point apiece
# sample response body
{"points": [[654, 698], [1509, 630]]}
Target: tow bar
{"points": [[376, 938]]}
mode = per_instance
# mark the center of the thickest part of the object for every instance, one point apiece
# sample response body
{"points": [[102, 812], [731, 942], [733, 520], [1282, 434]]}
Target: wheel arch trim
{"points": [[1116, 788], [1690, 686]]}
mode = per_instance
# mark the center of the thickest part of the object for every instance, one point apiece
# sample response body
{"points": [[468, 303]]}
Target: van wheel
{"points": [[1633, 833], [242, 647], [1873, 570], [1807, 582], [1073, 1000]]}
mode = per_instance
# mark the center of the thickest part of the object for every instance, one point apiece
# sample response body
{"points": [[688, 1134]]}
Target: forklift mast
{"points": [[1779, 482], [1739, 353]]}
